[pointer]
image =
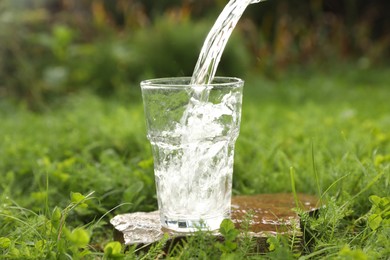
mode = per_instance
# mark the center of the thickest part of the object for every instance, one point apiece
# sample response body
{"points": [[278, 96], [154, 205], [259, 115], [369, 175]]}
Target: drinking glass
{"points": [[193, 130]]}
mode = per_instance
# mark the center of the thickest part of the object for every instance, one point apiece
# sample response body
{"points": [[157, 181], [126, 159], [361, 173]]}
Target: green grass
{"points": [[330, 129]]}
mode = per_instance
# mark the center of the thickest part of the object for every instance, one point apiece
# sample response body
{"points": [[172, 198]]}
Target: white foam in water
{"points": [[194, 169]]}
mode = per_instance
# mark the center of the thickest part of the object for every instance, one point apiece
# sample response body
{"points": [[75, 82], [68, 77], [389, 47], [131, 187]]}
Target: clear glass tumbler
{"points": [[193, 130]]}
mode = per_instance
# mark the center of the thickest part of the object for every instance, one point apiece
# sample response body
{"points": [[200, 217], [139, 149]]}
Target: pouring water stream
{"points": [[211, 52], [194, 163], [215, 43]]}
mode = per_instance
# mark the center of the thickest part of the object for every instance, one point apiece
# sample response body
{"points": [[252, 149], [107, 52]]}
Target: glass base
{"points": [[192, 225]]}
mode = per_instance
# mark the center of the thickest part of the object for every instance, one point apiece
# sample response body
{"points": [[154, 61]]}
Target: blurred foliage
{"points": [[49, 48]]}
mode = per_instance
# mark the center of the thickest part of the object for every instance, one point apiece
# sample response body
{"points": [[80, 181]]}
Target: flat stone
{"points": [[269, 214]]}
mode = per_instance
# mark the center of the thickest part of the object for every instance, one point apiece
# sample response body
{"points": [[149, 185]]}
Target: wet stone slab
{"points": [[268, 214]]}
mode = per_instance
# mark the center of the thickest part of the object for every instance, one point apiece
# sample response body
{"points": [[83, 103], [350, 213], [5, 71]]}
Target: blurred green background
{"points": [[316, 99], [51, 48]]}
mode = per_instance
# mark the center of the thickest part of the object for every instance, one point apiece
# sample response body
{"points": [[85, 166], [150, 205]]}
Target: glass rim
{"points": [[184, 82]]}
